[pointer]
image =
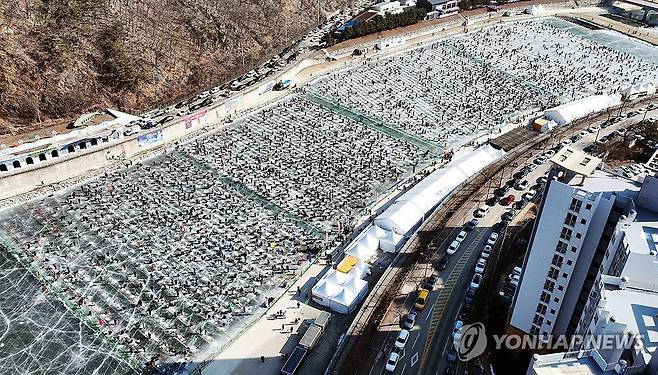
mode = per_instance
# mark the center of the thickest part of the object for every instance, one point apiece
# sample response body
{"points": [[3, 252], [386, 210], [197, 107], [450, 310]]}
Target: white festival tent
{"points": [[411, 209], [401, 217], [338, 291], [566, 113], [366, 244]]}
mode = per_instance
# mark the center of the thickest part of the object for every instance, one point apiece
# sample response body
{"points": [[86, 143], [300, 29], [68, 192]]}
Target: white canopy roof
{"points": [[401, 217], [340, 293], [566, 113]]}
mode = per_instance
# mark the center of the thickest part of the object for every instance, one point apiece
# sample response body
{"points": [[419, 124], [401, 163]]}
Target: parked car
{"points": [[410, 321], [421, 300], [461, 236], [519, 204], [401, 341], [165, 119], [492, 239], [392, 362], [509, 215], [486, 252], [593, 128], [442, 263], [482, 211], [521, 185], [430, 282], [480, 265], [453, 247], [508, 200], [491, 201], [476, 281], [501, 191], [456, 330], [452, 354], [472, 224]]}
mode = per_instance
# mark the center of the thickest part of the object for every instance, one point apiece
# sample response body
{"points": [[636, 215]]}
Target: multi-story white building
{"points": [[572, 244], [592, 269]]}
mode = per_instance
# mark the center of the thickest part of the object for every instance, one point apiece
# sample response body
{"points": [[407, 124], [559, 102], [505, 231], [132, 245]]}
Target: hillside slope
{"points": [[59, 58]]}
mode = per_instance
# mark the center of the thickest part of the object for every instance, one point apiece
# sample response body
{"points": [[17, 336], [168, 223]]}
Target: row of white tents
{"points": [[342, 292], [569, 112]]}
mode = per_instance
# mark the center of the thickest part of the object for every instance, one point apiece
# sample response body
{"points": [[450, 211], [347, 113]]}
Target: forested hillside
{"points": [[59, 58]]}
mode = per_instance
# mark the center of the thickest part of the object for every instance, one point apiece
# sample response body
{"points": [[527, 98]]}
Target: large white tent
{"points": [[339, 291], [566, 113], [401, 217], [366, 244], [409, 210]]}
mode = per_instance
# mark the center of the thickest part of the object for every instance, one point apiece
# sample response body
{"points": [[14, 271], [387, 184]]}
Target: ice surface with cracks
{"points": [[38, 335]]}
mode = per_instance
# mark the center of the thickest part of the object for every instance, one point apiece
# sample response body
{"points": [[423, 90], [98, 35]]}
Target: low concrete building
{"points": [[439, 8]]}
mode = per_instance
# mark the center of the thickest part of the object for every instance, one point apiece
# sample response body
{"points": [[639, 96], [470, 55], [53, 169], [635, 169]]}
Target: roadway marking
{"points": [[403, 368], [417, 337], [414, 359], [429, 312]]}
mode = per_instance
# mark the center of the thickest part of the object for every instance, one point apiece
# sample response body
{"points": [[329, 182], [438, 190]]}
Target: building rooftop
{"points": [[638, 310], [579, 363], [576, 161], [601, 181]]}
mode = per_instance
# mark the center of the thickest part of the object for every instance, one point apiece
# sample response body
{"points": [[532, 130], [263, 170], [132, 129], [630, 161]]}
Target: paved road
{"points": [[454, 281]]}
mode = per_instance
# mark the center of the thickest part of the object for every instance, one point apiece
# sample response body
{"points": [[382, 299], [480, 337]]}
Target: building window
{"points": [[560, 287], [538, 320], [534, 330], [588, 206], [570, 220], [552, 311], [575, 205], [583, 221], [557, 260], [552, 273], [548, 322], [541, 308], [569, 262], [545, 297], [556, 300], [565, 275], [549, 285], [574, 249], [578, 235], [42, 157], [566, 233], [561, 247]]}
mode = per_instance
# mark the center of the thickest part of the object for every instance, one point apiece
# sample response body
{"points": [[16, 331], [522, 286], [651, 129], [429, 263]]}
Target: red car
{"points": [[508, 200]]}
